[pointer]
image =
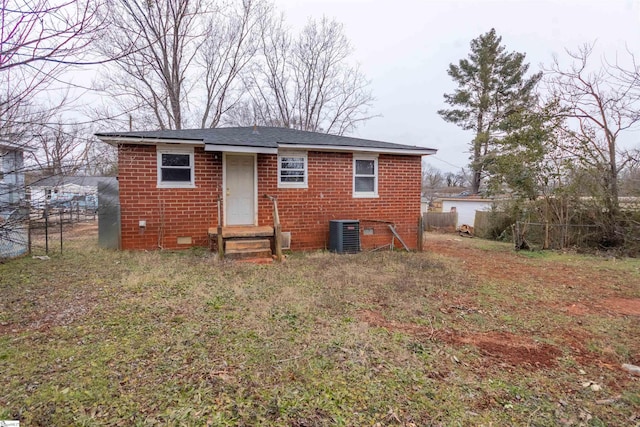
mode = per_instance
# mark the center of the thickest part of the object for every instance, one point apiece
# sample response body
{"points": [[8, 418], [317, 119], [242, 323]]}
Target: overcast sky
{"points": [[405, 47]]}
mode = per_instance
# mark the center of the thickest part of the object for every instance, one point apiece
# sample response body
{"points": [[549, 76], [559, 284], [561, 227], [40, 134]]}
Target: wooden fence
{"points": [[440, 221]]}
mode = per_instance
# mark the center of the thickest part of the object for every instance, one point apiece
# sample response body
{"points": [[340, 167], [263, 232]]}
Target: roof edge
{"points": [[115, 139], [413, 151], [16, 147]]}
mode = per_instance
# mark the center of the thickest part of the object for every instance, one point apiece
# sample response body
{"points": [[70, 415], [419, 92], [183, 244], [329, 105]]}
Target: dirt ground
{"points": [[503, 347], [597, 295], [598, 286]]}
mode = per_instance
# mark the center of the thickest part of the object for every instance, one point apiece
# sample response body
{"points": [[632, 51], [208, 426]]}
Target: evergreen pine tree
{"points": [[492, 86]]}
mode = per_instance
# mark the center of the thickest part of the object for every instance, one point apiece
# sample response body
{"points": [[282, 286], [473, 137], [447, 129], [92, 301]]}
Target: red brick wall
{"points": [[169, 212], [172, 213], [306, 212]]}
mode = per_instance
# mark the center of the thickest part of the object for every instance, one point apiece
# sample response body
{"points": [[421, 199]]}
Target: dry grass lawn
{"points": [[467, 333]]}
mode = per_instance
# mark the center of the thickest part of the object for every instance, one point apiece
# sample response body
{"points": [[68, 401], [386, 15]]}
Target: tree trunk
{"points": [[611, 214], [477, 176], [476, 164]]}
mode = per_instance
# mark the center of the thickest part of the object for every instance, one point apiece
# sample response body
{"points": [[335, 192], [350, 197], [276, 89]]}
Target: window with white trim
{"points": [[175, 168], [365, 176], [292, 170]]}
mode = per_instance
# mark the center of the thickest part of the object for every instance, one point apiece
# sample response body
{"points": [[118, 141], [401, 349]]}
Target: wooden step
{"points": [[245, 231], [255, 260], [248, 244], [245, 254], [247, 248]]}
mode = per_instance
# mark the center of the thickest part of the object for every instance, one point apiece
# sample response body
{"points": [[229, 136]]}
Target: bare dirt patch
{"points": [[501, 346], [377, 320], [597, 287], [82, 229], [576, 309], [629, 307], [513, 349], [582, 291]]}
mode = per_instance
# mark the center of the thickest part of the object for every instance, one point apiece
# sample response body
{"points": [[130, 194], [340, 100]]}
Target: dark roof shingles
{"points": [[261, 136]]}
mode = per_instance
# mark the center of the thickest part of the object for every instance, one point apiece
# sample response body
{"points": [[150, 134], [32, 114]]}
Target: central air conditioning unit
{"points": [[344, 236]]}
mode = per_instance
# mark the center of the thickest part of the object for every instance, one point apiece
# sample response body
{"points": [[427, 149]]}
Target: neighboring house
{"points": [[66, 191], [13, 224], [170, 183], [465, 206], [11, 176]]}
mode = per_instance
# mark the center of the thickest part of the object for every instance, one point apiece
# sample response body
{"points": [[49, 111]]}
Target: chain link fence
{"points": [[47, 227], [537, 235]]}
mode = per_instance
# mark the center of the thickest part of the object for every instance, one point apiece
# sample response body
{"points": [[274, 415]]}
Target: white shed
{"points": [[466, 207]]}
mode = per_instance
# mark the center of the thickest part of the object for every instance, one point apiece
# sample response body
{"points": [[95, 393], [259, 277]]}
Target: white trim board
{"points": [[240, 149], [351, 149]]}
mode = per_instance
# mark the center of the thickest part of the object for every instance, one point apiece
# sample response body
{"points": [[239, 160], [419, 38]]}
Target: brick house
{"points": [[171, 181]]}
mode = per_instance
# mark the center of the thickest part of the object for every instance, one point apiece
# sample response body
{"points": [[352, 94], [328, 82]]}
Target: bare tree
{"points": [[461, 178], [432, 177], [102, 159], [432, 181], [61, 150], [230, 44], [183, 61], [307, 82], [269, 82], [599, 105], [39, 40], [152, 77]]}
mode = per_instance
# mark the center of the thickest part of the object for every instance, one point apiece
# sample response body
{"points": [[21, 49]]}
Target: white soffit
{"points": [[406, 152], [240, 149]]}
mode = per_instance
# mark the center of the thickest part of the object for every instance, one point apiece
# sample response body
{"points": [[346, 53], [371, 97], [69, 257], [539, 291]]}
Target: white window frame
{"points": [[366, 194], [304, 156], [175, 150]]}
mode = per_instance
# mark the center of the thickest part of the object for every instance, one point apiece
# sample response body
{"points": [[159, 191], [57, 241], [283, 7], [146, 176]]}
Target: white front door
{"points": [[240, 191]]}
